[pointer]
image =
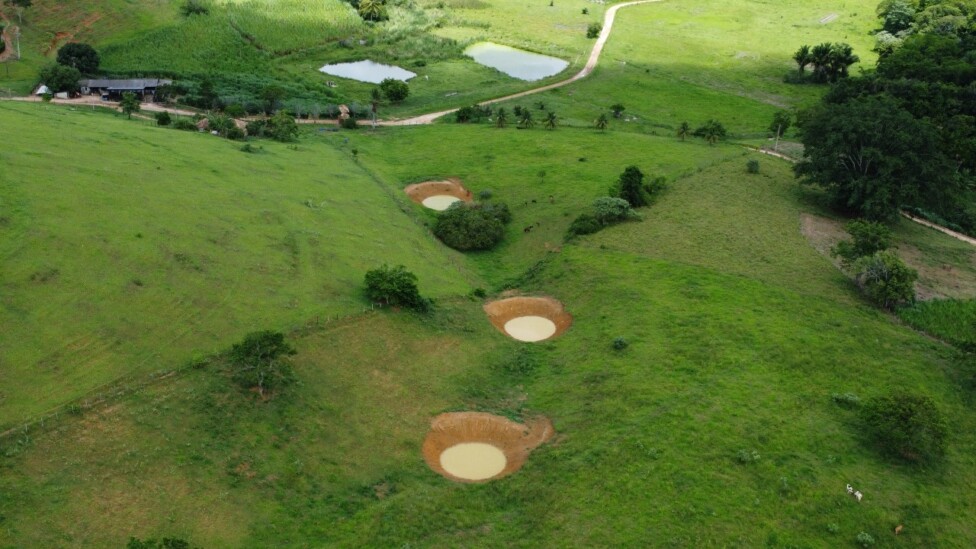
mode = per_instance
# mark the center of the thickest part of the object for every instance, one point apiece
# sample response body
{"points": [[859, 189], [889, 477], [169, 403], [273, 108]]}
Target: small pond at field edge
{"points": [[516, 63], [367, 71]]}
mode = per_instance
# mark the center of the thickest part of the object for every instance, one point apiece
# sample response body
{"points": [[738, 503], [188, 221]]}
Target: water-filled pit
{"points": [[367, 71], [516, 63]]}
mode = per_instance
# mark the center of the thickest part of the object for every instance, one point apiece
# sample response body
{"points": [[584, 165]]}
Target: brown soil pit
{"points": [[529, 319], [478, 447], [438, 195]]}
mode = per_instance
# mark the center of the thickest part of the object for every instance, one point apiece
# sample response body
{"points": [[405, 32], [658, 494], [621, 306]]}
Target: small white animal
{"points": [[858, 495], [850, 489]]}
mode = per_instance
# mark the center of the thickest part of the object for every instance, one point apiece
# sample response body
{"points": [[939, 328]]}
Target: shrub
{"points": [[746, 457], [235, 110], [609, 210], [907, 426], [472, 227], [885, 279], [184, 124], [165, 543], [234, 133], [260, 361], [395, 286], [593, 30], [256, 128], [163, 118], [619, 344], [865, 539], [585, 224], [282, 127], [869, 237], [349, 123], [752, 166], [194, 7], [485, 194], [394, 90], [846, 400], [711, 131]]}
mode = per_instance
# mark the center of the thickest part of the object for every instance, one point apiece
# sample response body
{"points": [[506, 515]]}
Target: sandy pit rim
{"points": [[514, 440], [503, 311], [420, 192]]}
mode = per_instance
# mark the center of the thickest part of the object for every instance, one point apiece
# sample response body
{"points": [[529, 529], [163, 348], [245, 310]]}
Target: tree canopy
{"points": [[80, 56]]}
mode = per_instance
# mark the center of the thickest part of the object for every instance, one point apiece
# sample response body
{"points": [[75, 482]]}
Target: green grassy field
{"points": [[738, 331], [139, 246]]}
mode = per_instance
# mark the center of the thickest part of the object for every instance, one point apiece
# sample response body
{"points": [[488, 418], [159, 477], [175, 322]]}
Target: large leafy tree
{"points": [[394, 90], [80, 56], [60, 78], [872, 156]]}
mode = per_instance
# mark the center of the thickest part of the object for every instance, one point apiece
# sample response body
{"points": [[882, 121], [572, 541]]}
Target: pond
{"points": [[516, 63], [367, 71]]}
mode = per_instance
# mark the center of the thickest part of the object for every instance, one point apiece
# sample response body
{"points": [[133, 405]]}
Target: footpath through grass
{"points": [[128, 249]]}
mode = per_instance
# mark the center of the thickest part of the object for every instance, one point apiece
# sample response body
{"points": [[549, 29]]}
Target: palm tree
{"points": [[602, 122], [525, 120], [551, 121], [371, 10], [841, 57], [820, 57], [684, 130], [501, 118], [802, 57]]}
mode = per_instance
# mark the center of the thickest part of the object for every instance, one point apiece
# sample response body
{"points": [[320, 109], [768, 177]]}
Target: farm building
{"points": [[145, 88]]}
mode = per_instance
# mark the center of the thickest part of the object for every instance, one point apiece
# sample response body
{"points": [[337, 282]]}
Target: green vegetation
{"points": [[886, 279], [867, 238], [472, 226], [952, 320], [261, 362], [80, 56], [395, 286], [908, 426]]}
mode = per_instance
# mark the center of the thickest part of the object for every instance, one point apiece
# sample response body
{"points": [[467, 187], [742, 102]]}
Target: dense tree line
{"points": [[905, 133]]}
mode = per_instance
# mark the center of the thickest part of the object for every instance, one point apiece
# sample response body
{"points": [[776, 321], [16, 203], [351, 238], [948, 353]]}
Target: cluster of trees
{"points": [[883, 277], [901, 19], [467, 227], [629, 192], [395, 286], [520, 115], [74, 60], [904, 135], [830, 61]]}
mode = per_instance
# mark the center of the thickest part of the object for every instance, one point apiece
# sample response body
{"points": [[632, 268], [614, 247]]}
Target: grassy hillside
{"points": [[739, 332], [127, 249]]}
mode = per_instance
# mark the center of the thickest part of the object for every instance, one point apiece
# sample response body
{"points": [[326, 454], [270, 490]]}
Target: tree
{"points": [[630, 187], [782, 121], [395, 90], [840, 59], [372, 10], [129, 104], [472, 226], [80, 56], [820, 57], [601, 122], [395, 286], [907, 426], [60, 78], [282, 127], [525, 119], [885, 279], [609, 210], [898, 16], [802, 57], [867, 238], [501, 118], [272, 96], [617, 109], [551, 121], [260, 361], [711, 131], [872, 156], [194, 7], [684, 130], [593, 30]]}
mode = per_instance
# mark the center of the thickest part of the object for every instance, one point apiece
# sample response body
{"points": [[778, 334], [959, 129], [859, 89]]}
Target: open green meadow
{"points": [[138, 247], [706, 394]]}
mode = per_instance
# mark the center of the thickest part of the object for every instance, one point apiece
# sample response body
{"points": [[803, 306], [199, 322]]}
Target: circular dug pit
{"points": [[478, 447], [529, 319], [438, 195]]}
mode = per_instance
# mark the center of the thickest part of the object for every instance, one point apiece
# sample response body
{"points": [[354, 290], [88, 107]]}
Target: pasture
{"points": [[739, 332], [140, 247]]}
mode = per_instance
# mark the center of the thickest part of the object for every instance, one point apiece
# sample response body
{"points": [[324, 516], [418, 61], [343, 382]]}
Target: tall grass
{"points": [[952, 320]]}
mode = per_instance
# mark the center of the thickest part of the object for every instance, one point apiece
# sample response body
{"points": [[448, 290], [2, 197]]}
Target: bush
{"points": [[349, 123], [235, 110], [194, 7], [886, 280], [593, 31], [282, 127], [256, 128], [711, 131], [60, 78], [472, 226], [163, 118], [184, 124], [585, 224], [846, 400], [260, 361], [865, 539], [609, 210], [907, 426], [869, 237], [395, 286], [752, 166], [235, 133], [165, 543], [485, 194], [394, 90], [619, 344]]}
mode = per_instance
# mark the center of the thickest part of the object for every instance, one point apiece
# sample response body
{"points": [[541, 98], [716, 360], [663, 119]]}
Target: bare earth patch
{"points": [[935, 281], [438, 195], [478, 447], [529, 318]]}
